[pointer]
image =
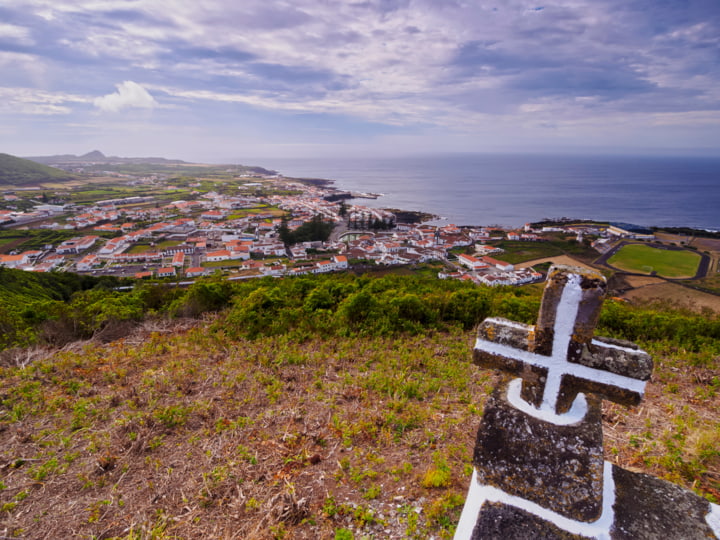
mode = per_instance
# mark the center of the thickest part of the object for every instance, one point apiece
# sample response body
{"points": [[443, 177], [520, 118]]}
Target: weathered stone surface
{"points": [[507, 332], [519, 337], [647, 508], [614, 355], [571, 386], [499, 521], [593, 293], [557, 467]]}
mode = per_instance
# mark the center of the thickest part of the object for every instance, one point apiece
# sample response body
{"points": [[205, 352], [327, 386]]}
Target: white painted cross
{"points": [[558, 360]]}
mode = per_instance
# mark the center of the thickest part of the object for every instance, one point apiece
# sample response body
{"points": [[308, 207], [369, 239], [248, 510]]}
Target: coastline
{"points": [[414, 216], [509, 191]]}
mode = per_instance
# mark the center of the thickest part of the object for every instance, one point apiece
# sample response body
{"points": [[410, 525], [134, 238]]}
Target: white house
{"points": [[341, 262], [113, 246], [500, 265], [178, 260], [323, 266], [471, 262], [273, 270], [76, 245], [239, 252], [168, 271], [215, 256], [87, 263], [195, 271], [212, 214], [496, 279], [484, 249], [299, 252], [14, 261]]}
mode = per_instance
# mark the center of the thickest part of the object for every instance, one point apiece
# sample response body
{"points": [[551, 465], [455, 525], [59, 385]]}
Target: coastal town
{"points": [[240, 235]]}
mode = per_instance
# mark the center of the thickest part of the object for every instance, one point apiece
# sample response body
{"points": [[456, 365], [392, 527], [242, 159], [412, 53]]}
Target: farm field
{"points": [[674, 294], [518, 252], [263, 209], [644, 259]]}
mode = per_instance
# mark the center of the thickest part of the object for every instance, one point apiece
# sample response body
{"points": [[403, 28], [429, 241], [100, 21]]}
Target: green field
{"points": [[260, 209], [167, 244], [139, 248], [222, 264], [518, 252], [644, 259]]}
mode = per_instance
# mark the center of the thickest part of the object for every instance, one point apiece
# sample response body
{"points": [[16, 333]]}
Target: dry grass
{"points": [[676, 295], [675, 432], [187, 435], [641, 281], [177, 432]]}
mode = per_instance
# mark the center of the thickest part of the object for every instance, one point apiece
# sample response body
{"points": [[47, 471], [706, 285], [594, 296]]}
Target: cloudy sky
{"points": [[219, 80]]}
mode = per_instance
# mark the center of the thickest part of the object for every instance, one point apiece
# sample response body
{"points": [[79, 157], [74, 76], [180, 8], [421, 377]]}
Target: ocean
{"points": [[510, 190]]}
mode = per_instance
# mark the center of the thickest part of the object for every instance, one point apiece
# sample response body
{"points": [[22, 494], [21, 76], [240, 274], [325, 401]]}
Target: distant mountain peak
{"points": [[95, 154]]}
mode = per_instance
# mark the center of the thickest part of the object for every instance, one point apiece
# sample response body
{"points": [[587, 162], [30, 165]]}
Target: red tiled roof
{"points": [[219, 253]]}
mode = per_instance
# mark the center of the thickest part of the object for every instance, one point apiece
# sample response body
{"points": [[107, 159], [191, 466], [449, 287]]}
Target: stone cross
{"points": [[538, 461], [558, 358]]}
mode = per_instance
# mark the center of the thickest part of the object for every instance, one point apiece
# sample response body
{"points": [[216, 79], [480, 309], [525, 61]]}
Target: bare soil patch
{"points": [[675, 294], [642, 281], [706, 244], [668, 238], [7, 248]]}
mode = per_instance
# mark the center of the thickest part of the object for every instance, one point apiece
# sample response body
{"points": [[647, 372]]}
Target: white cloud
{"points": [[36, 102], [20, 68], [129, 95], [19, 34]]}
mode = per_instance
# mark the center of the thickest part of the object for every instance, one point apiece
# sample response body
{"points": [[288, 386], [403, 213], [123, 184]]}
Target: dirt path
{"points": [[559, 259]]}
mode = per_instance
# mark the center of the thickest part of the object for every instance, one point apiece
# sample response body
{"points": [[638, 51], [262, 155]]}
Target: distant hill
{"points": [[96, 162], [22, 172], [96, 157], [95, 154]]}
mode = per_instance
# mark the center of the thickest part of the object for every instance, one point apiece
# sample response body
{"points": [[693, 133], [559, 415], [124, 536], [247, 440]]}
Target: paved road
{"points": [[342, 228], [339, 229]]}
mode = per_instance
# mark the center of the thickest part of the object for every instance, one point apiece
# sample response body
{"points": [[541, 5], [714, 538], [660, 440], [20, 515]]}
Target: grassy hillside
{"points": [[315, 407], [15, 171]]}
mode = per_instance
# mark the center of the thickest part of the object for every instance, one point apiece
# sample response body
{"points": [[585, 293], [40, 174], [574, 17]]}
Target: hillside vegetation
{"points": [[333, 406], [15, 171], [30, 301]]}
